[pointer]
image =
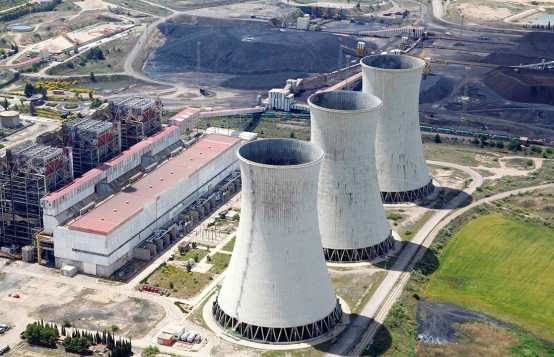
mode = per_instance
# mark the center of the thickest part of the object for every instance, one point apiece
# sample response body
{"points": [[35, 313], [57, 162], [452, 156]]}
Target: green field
{"points": [[501, 267]]}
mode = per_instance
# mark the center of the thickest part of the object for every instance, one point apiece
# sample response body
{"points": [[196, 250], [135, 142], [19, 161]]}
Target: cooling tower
{"points": [[401, 168], [352, 219], [277, 288]]}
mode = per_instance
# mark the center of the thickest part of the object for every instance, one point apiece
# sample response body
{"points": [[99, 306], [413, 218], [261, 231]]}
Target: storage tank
{"points": [[352, 219], [401, 168], [184, 336], [277, 288], [9, 119], [191, 337]]}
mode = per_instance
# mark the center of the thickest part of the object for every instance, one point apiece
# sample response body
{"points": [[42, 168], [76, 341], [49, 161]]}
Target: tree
{"points": [[76, 50], [32, 108], [5, 104], [189, 267], [92, 77], [475, 141], [196, 258], [514, 145], [194, 245], [34, 67], [90, 97], [500, 144], [151, 351], [291, 135], [114, 328], [438, 139], [29, 89]]}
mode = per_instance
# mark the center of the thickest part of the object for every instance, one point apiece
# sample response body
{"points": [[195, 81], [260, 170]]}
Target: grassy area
{"points": [[197, 316], [115, 53], [7, 4], [356, 286], [230, 245], [185, 284], [461, 154], [220, 262], [407, 232], [507, 183], [273, 128], [139, 6], [530, 206], [502, 267], [191, 254], [483, 339]]}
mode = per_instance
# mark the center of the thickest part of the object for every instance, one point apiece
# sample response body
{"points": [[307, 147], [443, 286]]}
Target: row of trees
{"points": [[45, 334], [25, 10]]}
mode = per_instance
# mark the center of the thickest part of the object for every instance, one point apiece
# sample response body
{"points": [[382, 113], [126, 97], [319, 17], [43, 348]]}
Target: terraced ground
{"points": [[502, 267]]}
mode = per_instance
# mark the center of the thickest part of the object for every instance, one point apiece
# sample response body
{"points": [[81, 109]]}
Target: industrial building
{"points": [[277, 288], [102, 240], [401, 168], [32, 171], [186, 120], [352, 219], [93, 142], [139, 118]]}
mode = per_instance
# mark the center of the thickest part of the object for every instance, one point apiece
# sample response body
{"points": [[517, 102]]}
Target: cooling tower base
{"points": [[408, 196], [360, 254], [277, 334]]}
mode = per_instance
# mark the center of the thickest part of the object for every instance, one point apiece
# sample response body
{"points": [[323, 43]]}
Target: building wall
{"points": [[109, 253]]}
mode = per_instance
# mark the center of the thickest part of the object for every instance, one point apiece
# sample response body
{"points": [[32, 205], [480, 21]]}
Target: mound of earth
{"points": [[260, 58], [532, 48], [527, 86], [434, 88]]}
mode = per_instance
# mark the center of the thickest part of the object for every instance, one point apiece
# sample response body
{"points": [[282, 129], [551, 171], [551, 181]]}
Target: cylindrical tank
{"points": [[9, 119], [184, 336], [352, 219], [277, 288], [401, 168], [191, 337]]}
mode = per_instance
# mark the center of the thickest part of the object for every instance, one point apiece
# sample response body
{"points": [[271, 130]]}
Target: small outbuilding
{"points": [[69, 271], [165, 339]]}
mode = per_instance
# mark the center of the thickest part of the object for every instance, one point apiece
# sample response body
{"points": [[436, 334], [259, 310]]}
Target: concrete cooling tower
{"points": [[277, 288], [403, 174], [352, 219]]}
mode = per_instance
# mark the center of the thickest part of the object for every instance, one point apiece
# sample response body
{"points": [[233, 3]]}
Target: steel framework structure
{"points": [[354, 255], [32, 172], [93, 142], [139, 118]]}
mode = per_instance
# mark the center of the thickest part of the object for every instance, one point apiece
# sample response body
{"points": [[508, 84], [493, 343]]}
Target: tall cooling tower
{"points": [[277, 288], [403, 174], [351, 216]]}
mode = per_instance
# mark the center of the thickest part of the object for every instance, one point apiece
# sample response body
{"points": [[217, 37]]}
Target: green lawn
{"points": [[191, 253], [220, 262], [501, 267], [230, 245]]}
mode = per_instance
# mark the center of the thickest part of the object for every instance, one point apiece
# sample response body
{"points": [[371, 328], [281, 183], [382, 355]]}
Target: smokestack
{"points": [[352, 219], [401, 168], [277, 287]]}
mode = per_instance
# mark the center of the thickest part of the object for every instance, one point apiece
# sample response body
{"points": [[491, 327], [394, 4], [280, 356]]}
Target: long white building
{"points": [[351, 216], [102, 240], [401, 168], [277, 288]]}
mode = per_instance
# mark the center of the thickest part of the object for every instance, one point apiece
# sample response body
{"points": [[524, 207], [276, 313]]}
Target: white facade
{"points": [[99, 251], [277, 288], [402, 171], [351, 216], [280, 99], [186, 120]]}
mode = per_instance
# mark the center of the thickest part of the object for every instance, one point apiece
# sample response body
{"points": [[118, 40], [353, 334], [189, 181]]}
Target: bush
{"points": [[151, 351], [408, 233]]}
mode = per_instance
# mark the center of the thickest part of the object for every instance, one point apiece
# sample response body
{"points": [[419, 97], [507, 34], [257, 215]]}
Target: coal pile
{"points": [[261, 59], [532, 48], [434, 88], [525, 86]]}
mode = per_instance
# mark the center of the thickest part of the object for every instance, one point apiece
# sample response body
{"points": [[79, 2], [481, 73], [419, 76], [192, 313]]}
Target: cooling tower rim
{"points": [[317, 153], [376, 102], [417, 64]]}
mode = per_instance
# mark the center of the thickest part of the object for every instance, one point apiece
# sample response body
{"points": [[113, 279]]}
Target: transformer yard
{"points": [[276, 178]]}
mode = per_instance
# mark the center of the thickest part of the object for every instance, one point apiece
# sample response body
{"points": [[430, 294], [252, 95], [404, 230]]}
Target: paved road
{"points": [[385, 295]]}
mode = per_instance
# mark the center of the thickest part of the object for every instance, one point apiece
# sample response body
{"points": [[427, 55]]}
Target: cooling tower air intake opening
{"points": [[344, 101], [280, 153], [393, 63]]}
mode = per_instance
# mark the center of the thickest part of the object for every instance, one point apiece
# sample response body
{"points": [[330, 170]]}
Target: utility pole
{"points": [[340, 53], [198, 64], [461, 29], [465, 97]]}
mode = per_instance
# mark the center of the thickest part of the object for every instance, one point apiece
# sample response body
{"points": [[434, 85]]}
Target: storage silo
{"points": [[352, 219], [9, 119], [277, 287], [401, 168]]}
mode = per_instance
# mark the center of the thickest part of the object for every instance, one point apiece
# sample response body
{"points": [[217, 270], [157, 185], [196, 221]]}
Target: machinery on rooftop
{"points": [[139, 118]]}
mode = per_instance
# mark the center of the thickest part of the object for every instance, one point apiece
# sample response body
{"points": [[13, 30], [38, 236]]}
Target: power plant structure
{"points": [[401, 168], [277, 288], [352, 218], [32, 171]]}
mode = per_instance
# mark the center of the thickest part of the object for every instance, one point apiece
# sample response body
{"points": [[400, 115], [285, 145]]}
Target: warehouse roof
{"points": [[123, 206]]}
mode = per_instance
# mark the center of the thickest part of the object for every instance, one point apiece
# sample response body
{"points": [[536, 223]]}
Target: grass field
{"points": [[185, 285], [501, 267]]}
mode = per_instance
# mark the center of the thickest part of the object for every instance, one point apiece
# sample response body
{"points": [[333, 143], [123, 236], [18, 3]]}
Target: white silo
{"points": [[401, 168], [352, 219], [277, 288]]}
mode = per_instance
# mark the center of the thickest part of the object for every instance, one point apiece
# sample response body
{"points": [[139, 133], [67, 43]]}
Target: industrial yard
{"points": [[276, 178]]}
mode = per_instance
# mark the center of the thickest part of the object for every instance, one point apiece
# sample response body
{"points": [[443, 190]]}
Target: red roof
{"points": [[123, 206]]}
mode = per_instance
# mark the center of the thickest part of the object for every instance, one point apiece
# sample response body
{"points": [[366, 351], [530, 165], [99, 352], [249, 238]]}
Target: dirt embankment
{"points": [[527, 86]]}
